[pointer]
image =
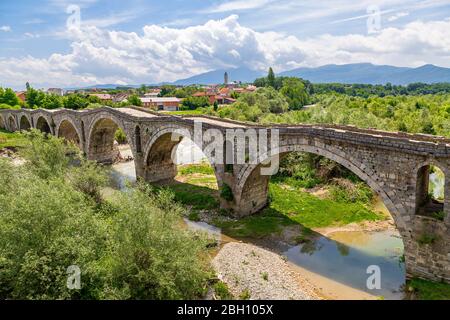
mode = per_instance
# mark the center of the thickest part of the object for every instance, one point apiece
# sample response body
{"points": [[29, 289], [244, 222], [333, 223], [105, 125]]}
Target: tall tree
{"points": [[135, 100], [271, 78], [295, 93], [9, 97]]}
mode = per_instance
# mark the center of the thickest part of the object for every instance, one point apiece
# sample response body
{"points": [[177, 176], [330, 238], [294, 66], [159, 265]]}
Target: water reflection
{"points": [[345, 256]]}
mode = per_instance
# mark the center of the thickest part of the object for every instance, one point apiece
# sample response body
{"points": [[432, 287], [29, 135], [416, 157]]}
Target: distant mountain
{"points": [[217, 76], [367, 73], [104, 86], [363, 73]]}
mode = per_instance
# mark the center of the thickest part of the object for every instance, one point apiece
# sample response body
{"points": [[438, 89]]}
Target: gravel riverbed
{"points": [[260, 272]]}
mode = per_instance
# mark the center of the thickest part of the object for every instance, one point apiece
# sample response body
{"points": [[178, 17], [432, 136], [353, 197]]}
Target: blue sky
{"points": [[149, 41]]}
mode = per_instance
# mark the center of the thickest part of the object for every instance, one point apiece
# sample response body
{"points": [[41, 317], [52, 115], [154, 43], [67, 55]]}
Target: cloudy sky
{"points": [[66, 43]]}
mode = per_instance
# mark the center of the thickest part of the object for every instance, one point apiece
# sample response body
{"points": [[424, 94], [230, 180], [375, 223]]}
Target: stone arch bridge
{"points": [[395, 165]]}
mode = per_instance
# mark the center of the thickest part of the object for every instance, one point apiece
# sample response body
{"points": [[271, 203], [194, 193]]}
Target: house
{"points": [[104, 97], [120, 97], [56, 91], [153, 94], [210, 95], [163, 103], [225, 92], [225, 100], [21, 95]]}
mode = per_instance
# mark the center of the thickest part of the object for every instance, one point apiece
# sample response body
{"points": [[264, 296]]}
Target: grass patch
{"points": [[427, 239], [222, 292], [12, 139], [440, 215], [199, 198], [245, 295], [428, 290], [255, 226], [288, 206], [202, 168], [194, 216], [313, 212]]}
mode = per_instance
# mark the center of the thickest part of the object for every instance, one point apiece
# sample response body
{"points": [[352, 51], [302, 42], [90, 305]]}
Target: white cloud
{"points": [[31, 35], [398, 16], [5, 28], [237, 5], [165, 54]]}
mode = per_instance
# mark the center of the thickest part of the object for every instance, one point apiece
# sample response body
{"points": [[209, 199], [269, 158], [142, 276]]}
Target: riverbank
{"points": [[280, 233], [255, 273]]}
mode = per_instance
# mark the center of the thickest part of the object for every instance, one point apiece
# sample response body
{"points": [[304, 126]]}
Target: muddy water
{"points": [[336, 264]]}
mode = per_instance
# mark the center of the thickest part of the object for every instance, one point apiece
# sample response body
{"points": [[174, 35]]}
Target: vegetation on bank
{"points": [[129, 247], [11, 140], [419, 289], [347, 199]]}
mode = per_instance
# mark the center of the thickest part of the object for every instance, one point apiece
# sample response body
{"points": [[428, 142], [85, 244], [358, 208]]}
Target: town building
{"points": [[120, 97], [104, 97], [21, 95], [56, 91], [161, 103]]}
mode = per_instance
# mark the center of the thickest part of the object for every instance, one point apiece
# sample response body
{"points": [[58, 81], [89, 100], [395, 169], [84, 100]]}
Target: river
{"points": [[336, 263]]}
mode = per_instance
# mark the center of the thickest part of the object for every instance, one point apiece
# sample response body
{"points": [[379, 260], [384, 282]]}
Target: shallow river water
{"points": [[337, 264]]}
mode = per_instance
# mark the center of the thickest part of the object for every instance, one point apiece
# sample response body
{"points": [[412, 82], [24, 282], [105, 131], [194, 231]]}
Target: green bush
{"points": [[120, 136], [222, 292], [132, 247], [226, 192]]}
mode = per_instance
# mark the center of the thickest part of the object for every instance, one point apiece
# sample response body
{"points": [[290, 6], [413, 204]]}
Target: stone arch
{"points": [[423, 203], [101, 139], [43, 125], [68, 131], [249, 177], [24, 123], [12, 125], [159, 153], [2, 122]]}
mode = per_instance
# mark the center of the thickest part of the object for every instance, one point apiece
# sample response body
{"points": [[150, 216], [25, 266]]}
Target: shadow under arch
{"points": [[12, 126], [160, 153], [426, 204], [250, 176], [2, 122], [101, 145], [24, 123], [43, 125], [68, 131]]}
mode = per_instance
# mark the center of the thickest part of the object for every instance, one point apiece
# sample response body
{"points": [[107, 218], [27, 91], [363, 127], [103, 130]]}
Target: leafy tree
{"points": [[75, 102], [134, 100], [94, 99], [271, 78], [294, 91], [52, 101], [142, 90], [192, 103], [167, 90], [34, 98], [8, 96]]}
